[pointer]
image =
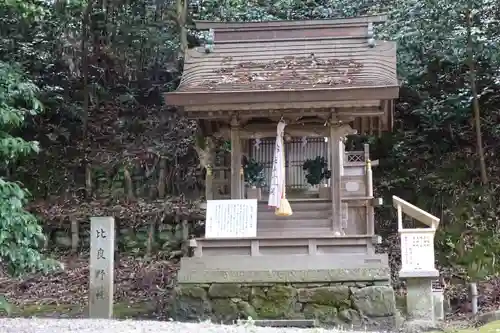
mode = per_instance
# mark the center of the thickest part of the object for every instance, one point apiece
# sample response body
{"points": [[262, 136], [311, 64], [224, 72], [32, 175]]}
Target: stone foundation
{"points": [[363, 305]]}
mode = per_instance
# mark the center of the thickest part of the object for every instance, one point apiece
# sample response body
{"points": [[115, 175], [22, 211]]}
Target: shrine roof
{"points": [[285, 61]]}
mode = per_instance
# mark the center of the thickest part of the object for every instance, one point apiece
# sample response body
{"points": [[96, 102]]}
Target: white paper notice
{"points": [[231, 218]]}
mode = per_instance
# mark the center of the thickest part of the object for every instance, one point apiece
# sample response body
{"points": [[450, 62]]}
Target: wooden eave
{"points": [[196, 98]]}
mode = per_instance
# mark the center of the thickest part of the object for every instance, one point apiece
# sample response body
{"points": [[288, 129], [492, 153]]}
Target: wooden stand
{"points": [[325, 192], [254, 193]]}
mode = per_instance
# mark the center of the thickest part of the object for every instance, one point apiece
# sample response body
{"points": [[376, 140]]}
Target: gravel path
{"points": [[18, 325]]}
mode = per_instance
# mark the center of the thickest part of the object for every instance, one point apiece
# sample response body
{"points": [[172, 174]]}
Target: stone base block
{"points": [[349, 305], [420, 326], [419, 295], [284, 268]]}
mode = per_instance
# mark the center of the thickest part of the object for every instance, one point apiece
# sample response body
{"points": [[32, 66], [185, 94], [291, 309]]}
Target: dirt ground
{"points": [[142, 289]]}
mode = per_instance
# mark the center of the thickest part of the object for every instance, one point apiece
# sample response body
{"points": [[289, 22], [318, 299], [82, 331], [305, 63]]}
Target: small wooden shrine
{"points": [[326, 78]]}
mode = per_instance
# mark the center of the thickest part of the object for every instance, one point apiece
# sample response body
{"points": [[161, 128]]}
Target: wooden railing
{"points": [[417, 244], [354, 157], [303, 244], [357, 157]]}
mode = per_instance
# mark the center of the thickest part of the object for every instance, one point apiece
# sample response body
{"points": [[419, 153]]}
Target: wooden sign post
{"points": [[102, 246]]}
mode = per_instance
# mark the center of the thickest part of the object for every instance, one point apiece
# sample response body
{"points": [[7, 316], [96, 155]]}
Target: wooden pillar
{"points": [[329, 158], [245, 151], [209, 176], [337, 133], [366, 150], [209, 183], [370, 212], [336, 177], [242, 183], [236, 182], [341, 155]]}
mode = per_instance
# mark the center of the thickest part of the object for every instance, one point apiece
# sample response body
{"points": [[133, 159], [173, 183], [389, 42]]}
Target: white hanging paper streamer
{"points": [[277, 176], [304, 141], [257, 144]]}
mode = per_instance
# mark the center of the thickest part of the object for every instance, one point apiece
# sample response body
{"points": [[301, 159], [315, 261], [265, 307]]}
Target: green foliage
{"points": [[257, 10], [254, 174], [432, 157], [131, 59], [20, 233], [5, 306], [316, 170], [471, 242]]}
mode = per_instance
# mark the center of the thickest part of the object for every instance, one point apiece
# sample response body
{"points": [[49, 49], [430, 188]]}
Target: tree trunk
{"points": [[75, 234], [151, 236], [475, 100], [181, 22], [162, 178], [129, 184], [85, 65], [86, 101], [185, 238]]}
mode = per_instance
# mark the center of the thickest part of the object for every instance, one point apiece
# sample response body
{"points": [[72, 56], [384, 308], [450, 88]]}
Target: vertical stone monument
{"points": [[102, 241]]}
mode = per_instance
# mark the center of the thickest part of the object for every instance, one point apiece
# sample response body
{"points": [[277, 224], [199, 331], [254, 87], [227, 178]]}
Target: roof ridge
{"points": [[290, 24]]}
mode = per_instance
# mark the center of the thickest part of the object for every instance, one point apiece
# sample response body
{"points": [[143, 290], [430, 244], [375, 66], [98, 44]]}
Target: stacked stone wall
{"points": [[347, 304]]}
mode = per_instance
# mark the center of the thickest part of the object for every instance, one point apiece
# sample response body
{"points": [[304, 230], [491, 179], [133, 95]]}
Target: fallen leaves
{"points": [[136, 280]]}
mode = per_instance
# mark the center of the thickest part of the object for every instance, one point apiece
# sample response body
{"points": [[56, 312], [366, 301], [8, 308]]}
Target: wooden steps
{"points": [[299, 323], [310, 217], [300, 205]]}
